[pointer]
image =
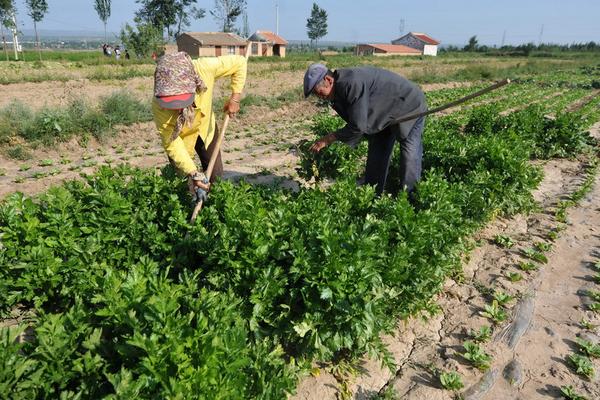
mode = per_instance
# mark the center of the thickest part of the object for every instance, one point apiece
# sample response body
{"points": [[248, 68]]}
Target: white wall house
{"points": [[419, 41]]}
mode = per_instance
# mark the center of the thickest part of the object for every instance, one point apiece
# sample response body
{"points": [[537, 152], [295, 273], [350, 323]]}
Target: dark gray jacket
{"points": [[370, 99]]}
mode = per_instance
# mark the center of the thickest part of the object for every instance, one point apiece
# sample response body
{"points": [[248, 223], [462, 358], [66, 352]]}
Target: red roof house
{"points": [[384, 49], [420, 41], [266, 43]]}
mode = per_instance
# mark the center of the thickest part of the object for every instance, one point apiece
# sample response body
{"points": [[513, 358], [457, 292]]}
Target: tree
{"points": [[472, 45], [37, 9], [227, 11], [102, 7], [143, 39], [184, 14], [245, 32], [6, 9], [316, 24], [172, 15]]}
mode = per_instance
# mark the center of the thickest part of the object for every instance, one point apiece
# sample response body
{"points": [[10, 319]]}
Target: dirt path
{"points": [[560, 304]]}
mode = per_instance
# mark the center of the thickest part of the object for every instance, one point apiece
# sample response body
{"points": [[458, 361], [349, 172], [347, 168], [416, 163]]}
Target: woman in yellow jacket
{"points": [[182, 108]]}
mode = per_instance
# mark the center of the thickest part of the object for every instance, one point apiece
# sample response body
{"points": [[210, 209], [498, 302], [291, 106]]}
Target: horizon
{"points": [[453, 23]]}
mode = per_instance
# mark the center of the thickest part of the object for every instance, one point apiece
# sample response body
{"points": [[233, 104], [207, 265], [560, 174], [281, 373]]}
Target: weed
{"points": [[592, 294], [46, 163], [535, 255], [451, 381], [543, 246], [24, 167], [494, 312], [482, 335], [569, 393], [389, 393], [583, 365], [39, 175], [504, 241], [588, 348], [18, 152], [475, 354], [502, 298], [514, 276], [585, 324], [527, 266], [89, 163], [595, 307]]}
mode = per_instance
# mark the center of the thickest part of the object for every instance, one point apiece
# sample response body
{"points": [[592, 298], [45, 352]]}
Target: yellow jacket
{"points": [[181, 150]]}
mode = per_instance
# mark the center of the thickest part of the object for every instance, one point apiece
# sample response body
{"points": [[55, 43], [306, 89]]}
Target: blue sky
{"points": [[452, 22]]}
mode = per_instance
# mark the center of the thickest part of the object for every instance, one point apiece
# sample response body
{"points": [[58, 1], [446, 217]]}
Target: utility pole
{"points": [[401, 27], [541, 33], [277, 18], [503, 38]]}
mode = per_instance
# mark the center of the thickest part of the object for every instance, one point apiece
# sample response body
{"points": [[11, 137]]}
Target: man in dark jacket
{"points": [[371, 100]]}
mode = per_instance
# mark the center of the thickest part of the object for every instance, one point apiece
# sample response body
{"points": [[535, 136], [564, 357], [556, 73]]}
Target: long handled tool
{"points": [[456, 102], [211, 164], [215, 154]]}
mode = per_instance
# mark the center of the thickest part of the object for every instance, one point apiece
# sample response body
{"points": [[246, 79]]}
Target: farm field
{"points": [[294, 283]]}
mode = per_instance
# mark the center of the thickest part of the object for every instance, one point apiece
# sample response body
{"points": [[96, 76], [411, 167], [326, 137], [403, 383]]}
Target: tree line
{"points": [[524, 49], [158, 21], [154, 21]]}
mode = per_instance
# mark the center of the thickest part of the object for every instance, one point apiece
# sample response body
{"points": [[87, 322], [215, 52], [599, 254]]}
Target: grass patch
{"points": [[51, 125]]}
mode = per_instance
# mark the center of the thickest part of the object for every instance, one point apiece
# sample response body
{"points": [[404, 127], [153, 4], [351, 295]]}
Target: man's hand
{"points": [[232, 106], [323, 142]]}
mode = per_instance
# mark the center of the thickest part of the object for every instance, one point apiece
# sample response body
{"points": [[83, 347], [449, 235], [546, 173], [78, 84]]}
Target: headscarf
{"points": [[175, 74]]}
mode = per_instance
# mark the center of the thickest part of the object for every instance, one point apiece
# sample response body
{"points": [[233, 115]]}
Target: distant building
{"points": [[211, 44], [419, 41], [267, 44], [383, 49]]}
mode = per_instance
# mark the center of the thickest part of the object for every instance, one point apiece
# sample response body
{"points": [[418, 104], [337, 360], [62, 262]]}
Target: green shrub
{"points": [[123, 108]]}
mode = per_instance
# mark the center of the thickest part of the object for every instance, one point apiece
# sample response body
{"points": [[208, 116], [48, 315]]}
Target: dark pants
{"points": [[205, 154], [381, 146]]}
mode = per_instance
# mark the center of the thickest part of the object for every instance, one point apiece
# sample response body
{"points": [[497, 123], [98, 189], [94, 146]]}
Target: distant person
{"points": [[182, 108], [154, 55], [127, 56], [104, 49], [371, 100], [117, 53]]}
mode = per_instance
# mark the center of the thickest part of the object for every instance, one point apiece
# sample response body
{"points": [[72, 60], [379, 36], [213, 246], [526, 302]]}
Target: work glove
{"points": [[201, 194]]}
